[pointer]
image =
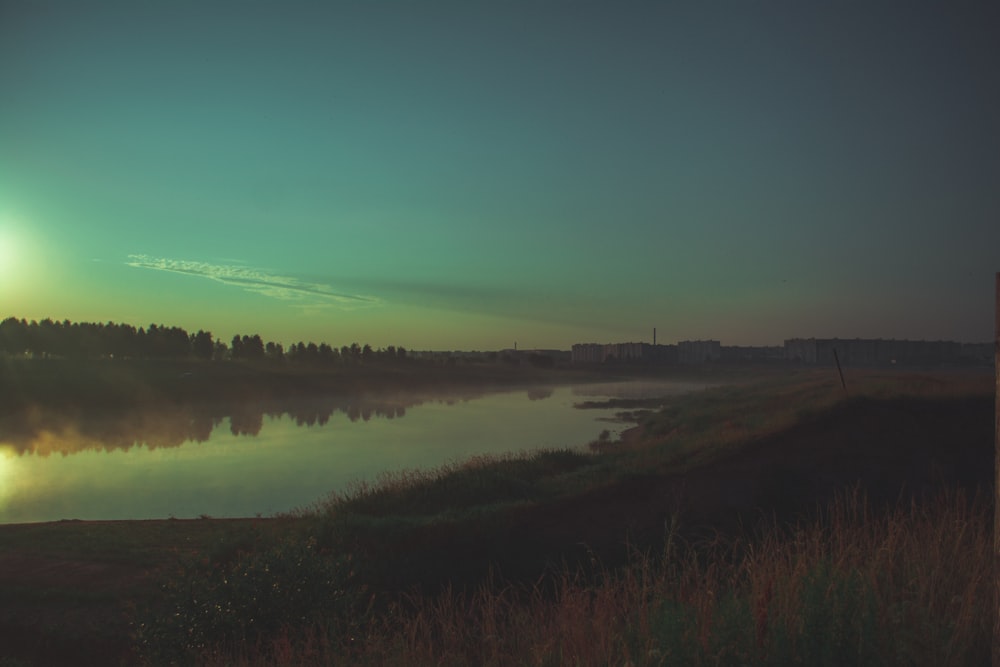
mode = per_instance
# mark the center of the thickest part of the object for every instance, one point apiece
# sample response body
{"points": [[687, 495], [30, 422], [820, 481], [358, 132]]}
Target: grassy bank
{"points": [[716, 531], [910, 585]]}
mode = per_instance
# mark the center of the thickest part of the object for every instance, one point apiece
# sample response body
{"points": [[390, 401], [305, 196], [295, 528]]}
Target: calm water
{"points": [[238, 461]]}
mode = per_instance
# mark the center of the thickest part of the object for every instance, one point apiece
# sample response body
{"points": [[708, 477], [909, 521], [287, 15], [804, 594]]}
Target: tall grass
{"points": [[478, 481], [906, 586]]}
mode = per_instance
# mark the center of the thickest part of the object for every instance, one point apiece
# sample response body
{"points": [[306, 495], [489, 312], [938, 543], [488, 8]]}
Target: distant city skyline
{"points": [[457, 175]]}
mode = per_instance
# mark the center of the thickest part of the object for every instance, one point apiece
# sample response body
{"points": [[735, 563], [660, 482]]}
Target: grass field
{"points": [[775, 521]]}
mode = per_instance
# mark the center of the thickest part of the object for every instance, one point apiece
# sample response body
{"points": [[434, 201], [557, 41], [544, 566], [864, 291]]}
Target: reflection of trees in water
{"points": [[540, 393], [312, 414], [245, 421], [43, 431]]}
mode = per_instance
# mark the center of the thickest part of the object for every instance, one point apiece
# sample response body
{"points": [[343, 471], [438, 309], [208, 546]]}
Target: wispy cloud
{"points": [[284, 288]]}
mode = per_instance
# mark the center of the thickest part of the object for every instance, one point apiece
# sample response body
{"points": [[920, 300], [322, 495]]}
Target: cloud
{"points": [[284, 288], [462, 295], [527, 302]]}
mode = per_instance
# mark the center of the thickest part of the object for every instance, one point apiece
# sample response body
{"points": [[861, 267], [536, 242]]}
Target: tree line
{"points": [[89, 340]]}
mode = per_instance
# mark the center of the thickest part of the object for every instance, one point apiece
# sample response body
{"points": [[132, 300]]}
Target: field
{"points": [[779, 520]]}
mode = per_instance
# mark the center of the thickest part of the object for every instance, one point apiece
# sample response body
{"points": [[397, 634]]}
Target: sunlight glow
{"points": [[17, 257], [8, 254]]}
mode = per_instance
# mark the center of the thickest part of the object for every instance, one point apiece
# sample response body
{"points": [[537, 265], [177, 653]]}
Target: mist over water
{"points": [[265, 458]]}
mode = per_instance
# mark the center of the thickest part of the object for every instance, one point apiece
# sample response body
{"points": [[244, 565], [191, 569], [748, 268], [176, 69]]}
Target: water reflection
{"points": [[540, 394], [46, 431], [263, 457]]}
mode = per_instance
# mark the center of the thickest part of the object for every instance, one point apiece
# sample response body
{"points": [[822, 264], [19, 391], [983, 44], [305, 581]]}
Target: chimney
{"points": [[654, 336]]}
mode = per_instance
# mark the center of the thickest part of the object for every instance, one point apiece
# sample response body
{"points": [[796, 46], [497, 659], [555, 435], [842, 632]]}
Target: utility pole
{"points": [[996, 484]]}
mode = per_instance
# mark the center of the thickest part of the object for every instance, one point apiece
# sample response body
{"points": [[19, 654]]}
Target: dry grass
{"points": [[910, 586], [483, 480], [696, 428], [905, 585]]}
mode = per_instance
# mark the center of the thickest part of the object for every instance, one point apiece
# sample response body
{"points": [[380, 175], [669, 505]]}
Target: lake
{"points": [[267, 458]]}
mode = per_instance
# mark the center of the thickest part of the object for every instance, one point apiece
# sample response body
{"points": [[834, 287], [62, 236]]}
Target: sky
{"points": [[467, 175]]}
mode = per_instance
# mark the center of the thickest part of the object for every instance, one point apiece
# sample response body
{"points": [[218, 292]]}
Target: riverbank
{"points": [[708, 464]]}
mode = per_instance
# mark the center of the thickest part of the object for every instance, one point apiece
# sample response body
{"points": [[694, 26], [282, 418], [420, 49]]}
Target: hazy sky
{"points": [[469, 174]]}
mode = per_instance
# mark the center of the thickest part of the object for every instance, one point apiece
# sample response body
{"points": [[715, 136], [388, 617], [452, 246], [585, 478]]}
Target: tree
{"points": [[202, 345], [89, 340], [253, 347], [327, 354], [248, 347], [14, 336], [43, 337], [274, 351]]}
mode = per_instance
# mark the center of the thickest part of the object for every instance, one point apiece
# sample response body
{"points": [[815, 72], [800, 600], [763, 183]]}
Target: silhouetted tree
{"points": [[202, 345], [274, 351], [44, 338], [327, 355], [166, 342], [125, 343], [14, 336], [297, 352], [48, 338], [252, 347]]}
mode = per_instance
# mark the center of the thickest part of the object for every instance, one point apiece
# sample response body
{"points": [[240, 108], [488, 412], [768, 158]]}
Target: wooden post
{"points": [[996, 483], [841, 372]]}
